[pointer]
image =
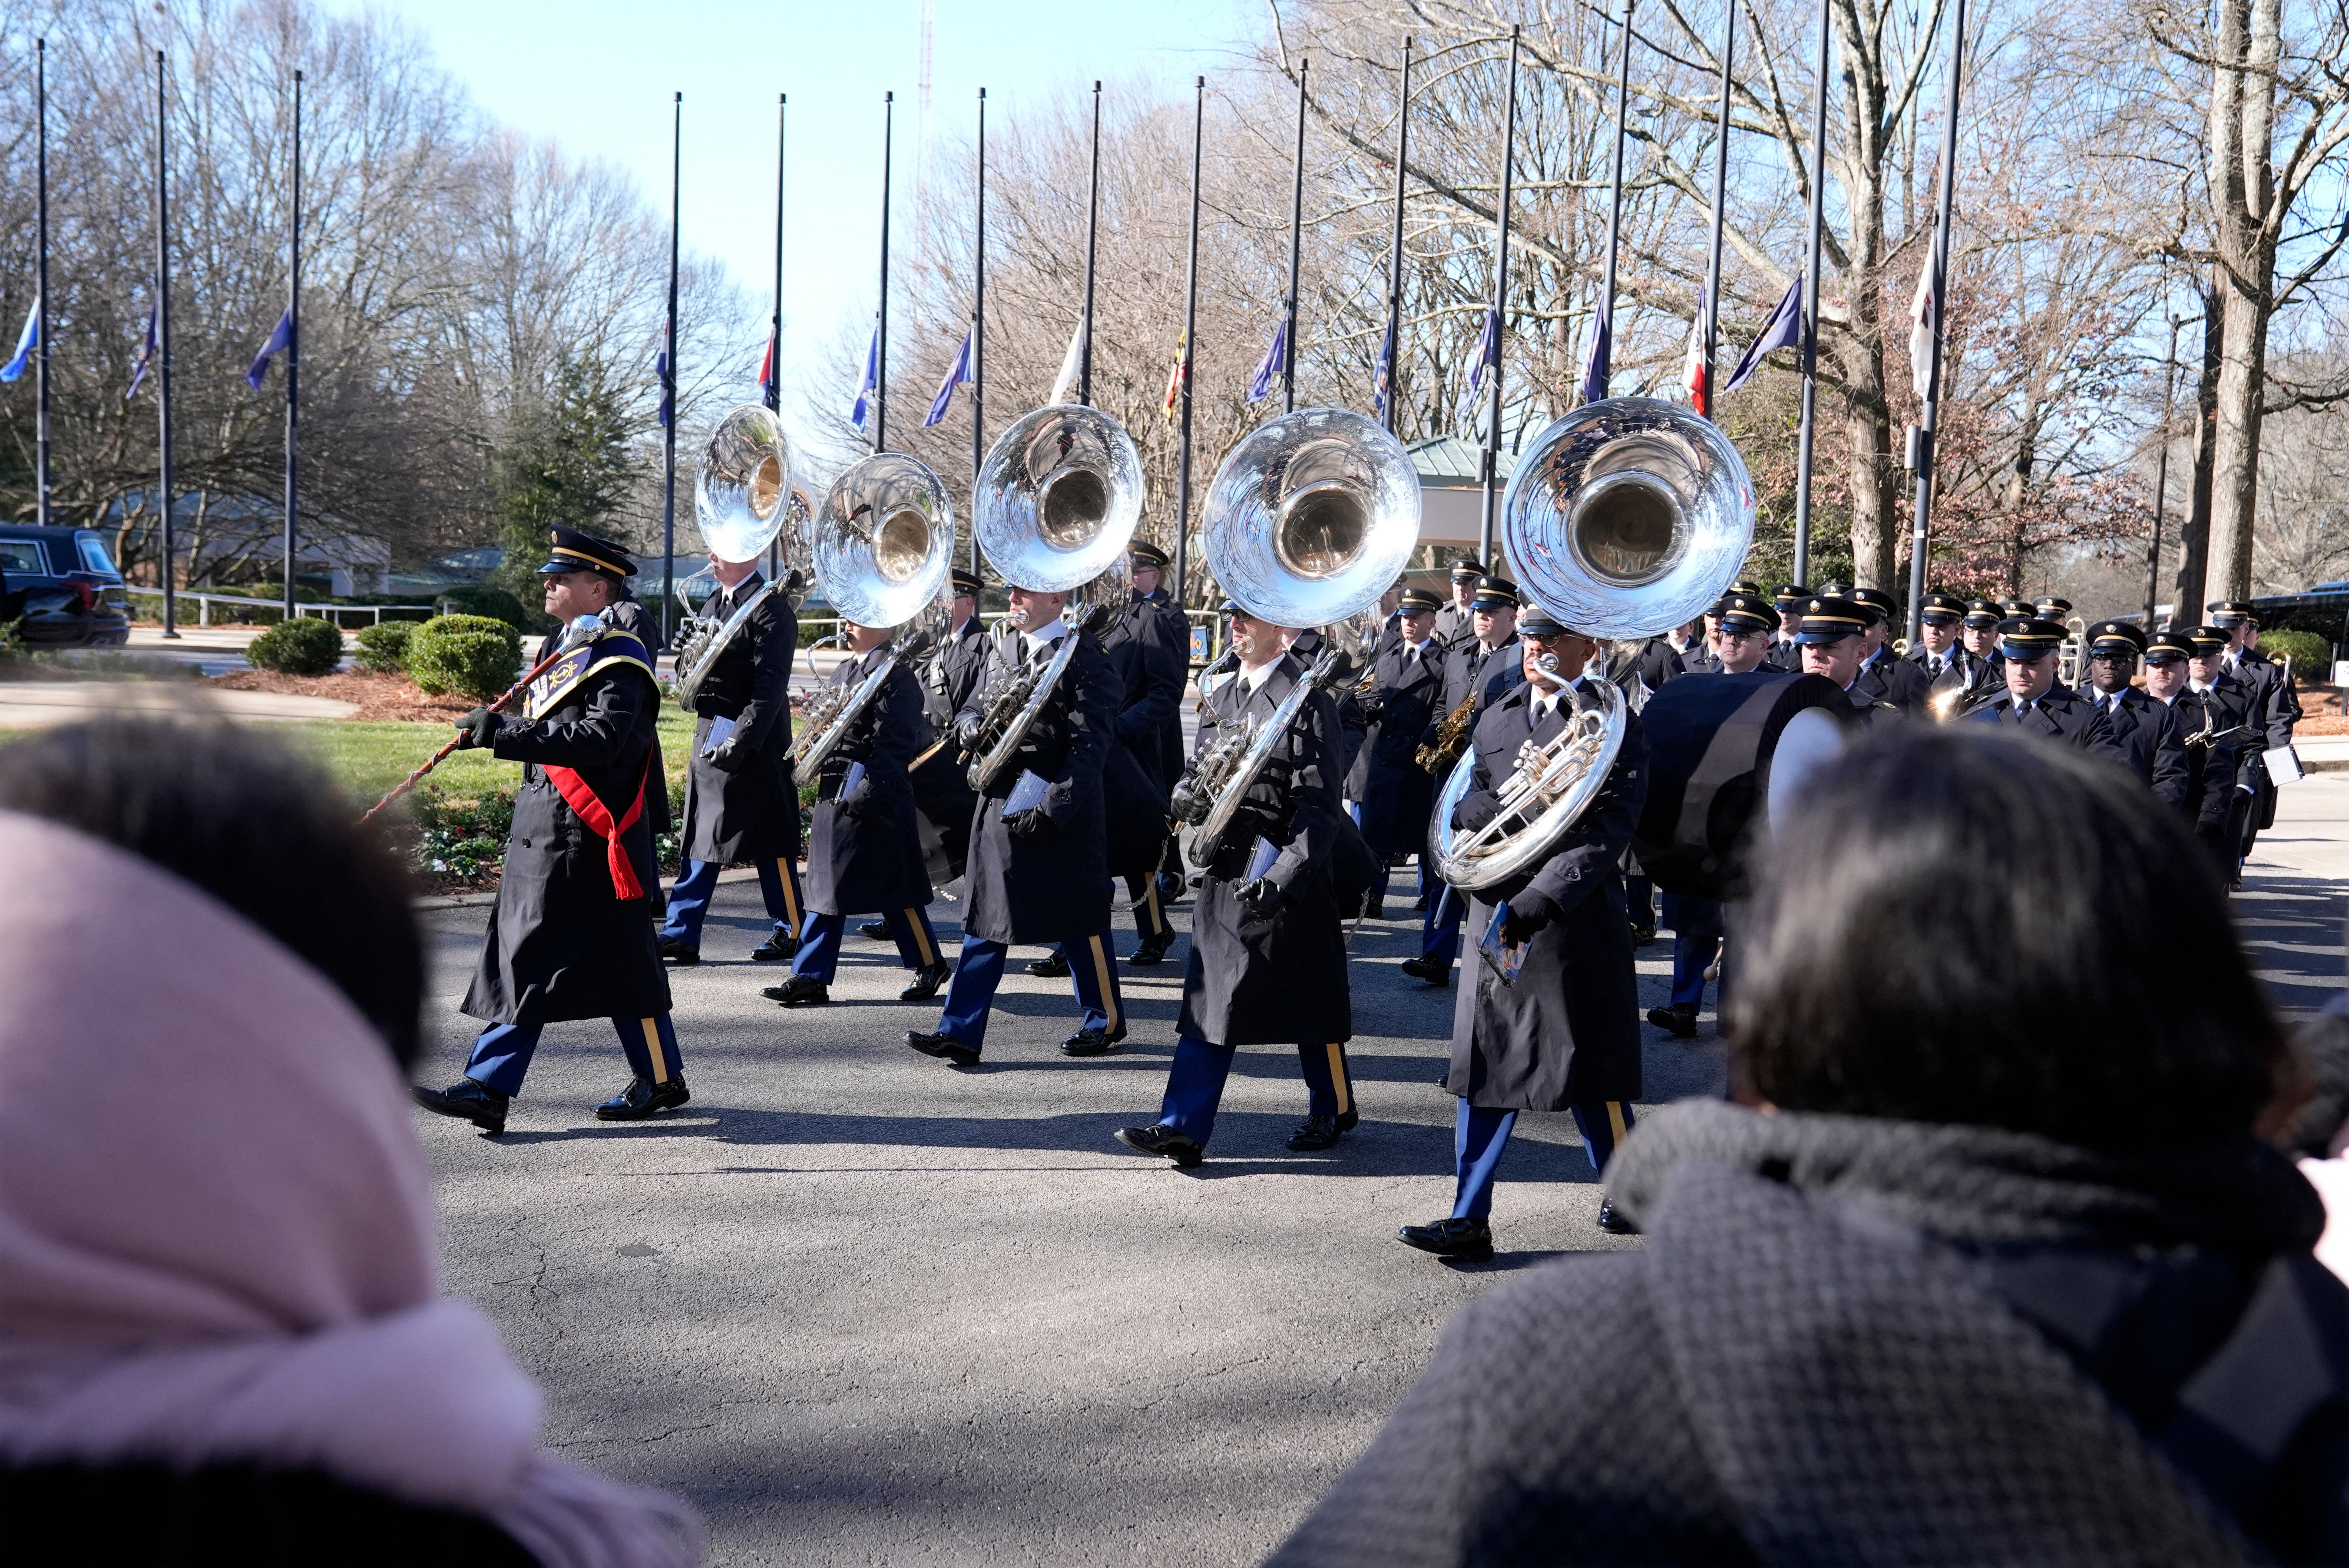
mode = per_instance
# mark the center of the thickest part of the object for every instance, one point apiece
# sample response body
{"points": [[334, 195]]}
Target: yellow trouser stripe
{"points": [[790, 891], [1157, 919], [653, 1049], [1337, 1078], [1614, 1118], [922, 944], [1108, 987]]}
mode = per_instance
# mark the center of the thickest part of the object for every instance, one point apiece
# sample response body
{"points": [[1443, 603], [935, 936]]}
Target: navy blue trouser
{"points": [[1149, 914], [1696, 943], [689, 901], [501, 1054], [818, 957], [978, 970], [1195, 1084], [1640, 893], [1439, 934], [1480, 1134]]}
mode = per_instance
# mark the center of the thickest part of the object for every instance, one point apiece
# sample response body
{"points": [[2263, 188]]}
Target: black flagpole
{"points": [[1712, 302], [294, 354], [881, 328], [163, 332], [1092, 223], [1605, 345], [41, 286], [1296, 236], [1190, 325], [1940, 265], [774, 387], [2161, 473], [1492, 459], [668, 431], [1811, 310], [1394, 255], [978, 334]]}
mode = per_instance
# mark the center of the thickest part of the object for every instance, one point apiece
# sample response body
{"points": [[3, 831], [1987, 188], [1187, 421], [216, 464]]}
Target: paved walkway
{"points": [[36, 705]]}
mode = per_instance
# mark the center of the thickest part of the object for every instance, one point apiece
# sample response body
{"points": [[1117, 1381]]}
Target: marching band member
{"points": [[570, 935], [2275, 707], [1153, 661], [2144, 730], [1785, 652], [947, 674], [1038, 869], [2035, 701], [1456, 624], [1829, 637], [2234, 706], [741, 800], [1563, 1035], [2213, 741], [1268, 961], [1482, 668], [1884, 676], [1150, 566], [864, 849], [1390, 792]]}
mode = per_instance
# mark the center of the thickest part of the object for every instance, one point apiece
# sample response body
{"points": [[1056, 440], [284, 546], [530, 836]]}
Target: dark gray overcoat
{"points": [[562, 943], [1175, 631], [1280, 978], [1393, 790], [865, 853], [752, 813], [1052, 886], [2061, 714], [2147, 733], [1568, 1030]]}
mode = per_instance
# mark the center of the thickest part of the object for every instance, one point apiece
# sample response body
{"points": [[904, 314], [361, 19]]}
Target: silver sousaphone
{"points": [[882, 545], [1624, 519], [1053, 508], [1307, 524], [743, 493]]}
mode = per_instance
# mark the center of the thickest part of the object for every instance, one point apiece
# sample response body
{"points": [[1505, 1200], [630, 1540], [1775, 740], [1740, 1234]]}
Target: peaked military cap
{"points": [[568, 549], [966, 581], [1790, 597], [1495, 592], [2232, 612], [2029, 637], [1145, 553], [1421, 599], [2009, 608], [1745, 585], [2116, 639], [2207, 639], [1537, 622], [1983, 613], [2052, 608], [1742, 611], [1940, 609], [2169, 647], [1467, 568], [1829, 619]]}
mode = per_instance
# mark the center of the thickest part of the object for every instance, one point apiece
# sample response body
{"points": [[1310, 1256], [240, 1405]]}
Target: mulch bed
{"points": [[379, 697]]}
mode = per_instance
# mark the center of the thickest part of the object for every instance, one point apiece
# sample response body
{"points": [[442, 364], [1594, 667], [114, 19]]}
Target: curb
{"points": [[472, 900]]}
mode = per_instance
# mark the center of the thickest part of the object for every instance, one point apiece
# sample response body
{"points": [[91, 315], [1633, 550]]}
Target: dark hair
{"points": [[1959, 924], [2322, 1122], [242, 816]]}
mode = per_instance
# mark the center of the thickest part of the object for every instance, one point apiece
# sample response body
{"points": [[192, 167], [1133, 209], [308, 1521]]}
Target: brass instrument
{"points": [[1625, 518], [1439, 755], [743, 496]]}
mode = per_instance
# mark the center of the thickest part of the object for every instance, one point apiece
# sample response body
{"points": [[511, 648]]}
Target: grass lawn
{"points": [[367, 760]]}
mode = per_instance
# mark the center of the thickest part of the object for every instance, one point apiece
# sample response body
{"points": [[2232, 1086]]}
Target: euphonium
{"points": [[1625, 518]]}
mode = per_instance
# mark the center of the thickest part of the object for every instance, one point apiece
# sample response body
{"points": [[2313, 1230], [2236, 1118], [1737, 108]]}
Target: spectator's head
{"points": [[2037, 988], [240, 816], [2320, 1124]]}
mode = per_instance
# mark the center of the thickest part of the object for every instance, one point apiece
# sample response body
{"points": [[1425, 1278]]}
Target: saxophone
{"points": [[1440, 754]]}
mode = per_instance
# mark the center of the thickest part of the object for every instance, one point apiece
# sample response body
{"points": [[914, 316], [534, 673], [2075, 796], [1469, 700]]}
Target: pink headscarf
{"points": [[216, 1239]]}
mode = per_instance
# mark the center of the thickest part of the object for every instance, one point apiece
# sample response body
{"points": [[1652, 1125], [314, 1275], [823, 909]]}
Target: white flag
{"points": [[1924, 321], [1064, 387]]}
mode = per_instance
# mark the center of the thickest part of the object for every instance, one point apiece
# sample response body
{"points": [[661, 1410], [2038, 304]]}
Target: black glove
{"points": [[477, 728], [1370, 707], [1029, 825], [1261, 897], [1476, 807], [1528, 912], [966, 732], [729, 755], [2209, 830], [1188, 803]]}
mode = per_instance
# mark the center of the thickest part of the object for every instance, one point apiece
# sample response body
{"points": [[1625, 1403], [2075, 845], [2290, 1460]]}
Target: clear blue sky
{"points": [[597, 76]]}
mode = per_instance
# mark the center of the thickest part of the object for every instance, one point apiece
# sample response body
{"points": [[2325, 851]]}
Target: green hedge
{"points": [[470, 655], [2312, 655], [299, 648], [384, 649], [487, 599]]}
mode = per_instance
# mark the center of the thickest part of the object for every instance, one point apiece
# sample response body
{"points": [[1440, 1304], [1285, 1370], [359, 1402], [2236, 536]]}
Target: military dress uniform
{"points": [[1565, 1035], [1151, 666], [2234, 706], [1470, 669], [2275, 710], [1390, 793], [1456, 625], [1956, 680], [2060, 714], [2146, 731], [741, 803], [1884, 676], [1785, 653], [1039, 875], [864, 849], [2210, 728], [941, 795], [570, 935], [1267, 962]]}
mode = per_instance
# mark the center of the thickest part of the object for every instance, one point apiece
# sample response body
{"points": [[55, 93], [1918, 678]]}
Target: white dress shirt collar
{"points": [[1044, 636]]}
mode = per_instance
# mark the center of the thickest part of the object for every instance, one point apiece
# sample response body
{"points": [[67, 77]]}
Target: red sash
{"points": [[598, 817]]}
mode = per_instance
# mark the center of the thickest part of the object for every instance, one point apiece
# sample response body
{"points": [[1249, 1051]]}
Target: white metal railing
{"points": [[204, 602]]}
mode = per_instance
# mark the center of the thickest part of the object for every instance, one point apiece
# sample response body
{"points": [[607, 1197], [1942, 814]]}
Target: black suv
{"points": [[61, 587]]}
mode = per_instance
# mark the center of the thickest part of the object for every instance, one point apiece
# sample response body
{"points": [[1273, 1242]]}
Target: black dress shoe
{"points": [[945, 1047], [477, 1103], [799, 991], [1180, 1147], [1641, 936], [1317, 1132], [875, 931], [1349, 1121], [1469, 1240], [1433, 970], [1092, 1042], [1613, 1223], [1054, 965], [1419, 904], [1151, 950], [675, 950], [1374, 910], [641, 1100], [926, 981], [781, 947], [1678, 1020]]}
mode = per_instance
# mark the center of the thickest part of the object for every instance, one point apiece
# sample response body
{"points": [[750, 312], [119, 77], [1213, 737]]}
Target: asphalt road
{"points": [[864, 1307]]}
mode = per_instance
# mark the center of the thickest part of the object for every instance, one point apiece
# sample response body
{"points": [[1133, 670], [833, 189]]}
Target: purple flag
{"points": [[1275, 359], [1783, 330], [667, 377], [1488, 349], [1594, 360], [146, 352], [280, 339], [857, 415], [956, 374]]}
